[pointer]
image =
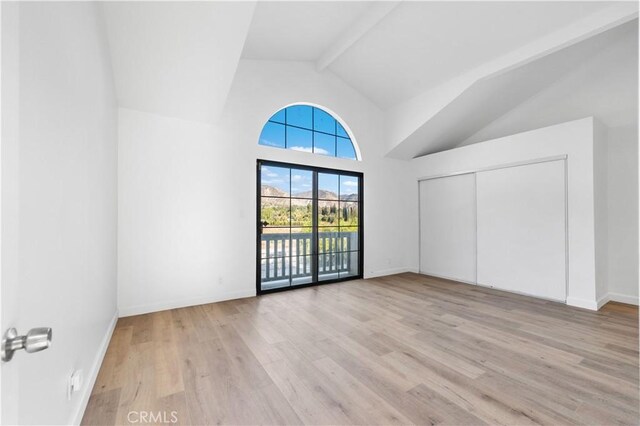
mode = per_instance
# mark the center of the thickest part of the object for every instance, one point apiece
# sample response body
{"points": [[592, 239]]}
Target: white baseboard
{"points": [[623, 298], [183, 303], [596, 305], [592, 305], [391, 271], [447, 278], [92, 375], [603, 301], [522, 293]]}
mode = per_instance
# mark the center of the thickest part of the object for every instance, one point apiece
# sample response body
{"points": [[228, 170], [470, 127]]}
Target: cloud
{"points": [[267, 142], [267, 172], [301, 148], [308, 149], [272, 181], [352, 183]]}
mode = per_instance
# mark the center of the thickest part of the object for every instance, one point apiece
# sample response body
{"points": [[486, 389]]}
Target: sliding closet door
{"points": [[521, 229], [448, 227]]}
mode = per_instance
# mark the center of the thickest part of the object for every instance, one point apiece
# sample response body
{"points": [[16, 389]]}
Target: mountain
{"points": [[270, 191], [322, 194], [327, 195]]}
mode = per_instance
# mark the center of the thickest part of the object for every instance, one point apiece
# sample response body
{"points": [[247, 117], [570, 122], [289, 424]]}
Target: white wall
{"points": [[601, 211], [622, 185], [174, 219], [574, 139], [60, 191], [187, 190]]}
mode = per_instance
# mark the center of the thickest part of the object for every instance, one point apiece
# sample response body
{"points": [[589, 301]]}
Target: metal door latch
{"points": [[37, 339]]}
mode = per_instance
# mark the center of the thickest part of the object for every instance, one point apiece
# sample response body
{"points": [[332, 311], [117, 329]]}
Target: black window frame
{"points": [[336, 134], [315, 170]]}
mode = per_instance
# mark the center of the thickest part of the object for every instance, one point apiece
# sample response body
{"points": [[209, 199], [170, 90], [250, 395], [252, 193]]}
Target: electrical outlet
{"points": [[74, 384]]}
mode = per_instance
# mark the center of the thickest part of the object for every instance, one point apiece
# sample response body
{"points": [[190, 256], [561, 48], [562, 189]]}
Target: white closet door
{"points": [[521, 229], [448, 227]]}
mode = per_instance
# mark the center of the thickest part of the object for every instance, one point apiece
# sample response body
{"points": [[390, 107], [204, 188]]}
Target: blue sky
{"points": [[315, 131]]}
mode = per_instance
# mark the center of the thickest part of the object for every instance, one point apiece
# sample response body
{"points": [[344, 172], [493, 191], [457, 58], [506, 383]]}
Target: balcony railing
{"points": [[290, 255]]}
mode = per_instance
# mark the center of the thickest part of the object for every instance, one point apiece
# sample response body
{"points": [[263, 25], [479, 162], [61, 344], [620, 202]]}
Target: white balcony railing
{"points": [[290, 255]]}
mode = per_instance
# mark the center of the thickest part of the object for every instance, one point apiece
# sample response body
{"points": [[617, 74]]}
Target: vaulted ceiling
{"points": [[414, 47], [441, 70], [298, 31], [497, 94], [176, 58]]}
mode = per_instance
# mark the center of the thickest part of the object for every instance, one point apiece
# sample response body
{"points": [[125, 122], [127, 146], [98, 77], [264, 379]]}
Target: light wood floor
{"points": [[405, 349]]}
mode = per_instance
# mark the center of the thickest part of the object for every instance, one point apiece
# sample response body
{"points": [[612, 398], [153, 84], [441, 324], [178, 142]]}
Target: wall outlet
{"points": [[74, 384]]}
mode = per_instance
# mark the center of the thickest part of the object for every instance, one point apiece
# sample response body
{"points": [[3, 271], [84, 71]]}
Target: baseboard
{"points": [[522, 293], [623, 298], [603, 300], [592, 305], [90, 378], [390, 271], [183, 303], [596, 305], [429, 274]]}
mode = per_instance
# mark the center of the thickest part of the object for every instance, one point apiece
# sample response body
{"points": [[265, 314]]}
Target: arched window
{"points": [[310, 129]]}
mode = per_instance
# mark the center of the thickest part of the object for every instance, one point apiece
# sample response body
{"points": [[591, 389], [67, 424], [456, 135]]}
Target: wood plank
{"points": [[102, 408], [402, 349]]}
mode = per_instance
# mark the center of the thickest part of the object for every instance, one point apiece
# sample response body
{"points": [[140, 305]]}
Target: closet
{"points": [[503, 227], [448, 227]]}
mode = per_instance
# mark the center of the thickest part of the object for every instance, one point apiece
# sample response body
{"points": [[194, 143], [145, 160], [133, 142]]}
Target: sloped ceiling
{"points": [[446, 116], [490, 98], [421, 44], [442, 71], [605, 85], [298, 31], [392, 50], [176, 58]]}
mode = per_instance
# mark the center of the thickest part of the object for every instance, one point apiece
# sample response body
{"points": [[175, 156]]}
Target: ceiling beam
{"points": [[372, 17]]}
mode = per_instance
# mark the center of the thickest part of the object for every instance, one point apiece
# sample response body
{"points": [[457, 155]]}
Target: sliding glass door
{"points": [[309, 226]]}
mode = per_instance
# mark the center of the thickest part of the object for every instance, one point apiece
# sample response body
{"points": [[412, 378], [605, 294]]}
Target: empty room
{"points": [[319, 213]]}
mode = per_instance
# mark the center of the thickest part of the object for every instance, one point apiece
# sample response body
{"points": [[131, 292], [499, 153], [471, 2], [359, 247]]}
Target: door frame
{"points": [[315, 169]]}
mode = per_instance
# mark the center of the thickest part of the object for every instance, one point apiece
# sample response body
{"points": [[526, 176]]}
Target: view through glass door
{"points": [[309, 226]]}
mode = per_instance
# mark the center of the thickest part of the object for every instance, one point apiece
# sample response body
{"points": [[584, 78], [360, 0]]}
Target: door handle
{"points": [[263, 224], [36, 340]]}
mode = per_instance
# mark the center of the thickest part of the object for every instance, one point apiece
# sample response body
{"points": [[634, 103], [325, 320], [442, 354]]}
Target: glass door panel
{"points": [[328, 247], [309, 225], [302, 259], [349, 265], [275, 252]]}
